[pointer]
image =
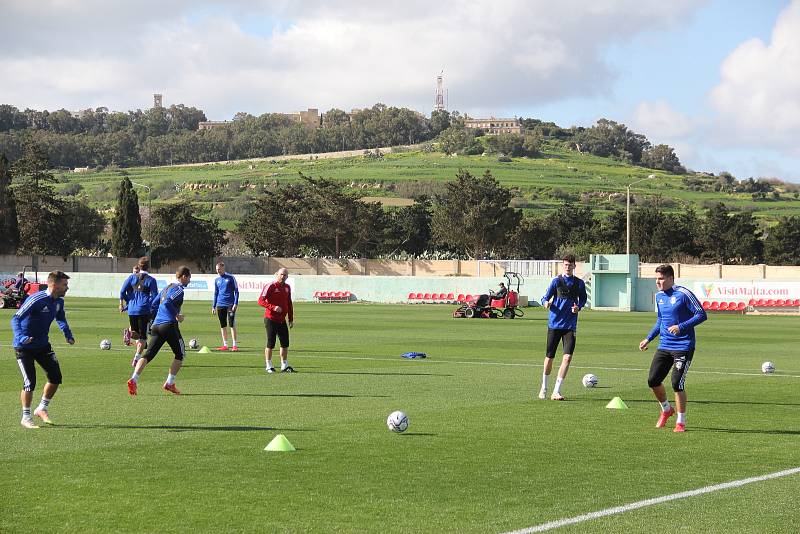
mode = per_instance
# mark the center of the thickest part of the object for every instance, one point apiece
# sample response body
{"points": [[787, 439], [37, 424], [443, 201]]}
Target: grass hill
{"points": [[540, 183]]}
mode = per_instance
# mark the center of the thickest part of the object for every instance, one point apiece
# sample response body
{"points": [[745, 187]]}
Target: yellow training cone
{"points": [[204, 350], [280, 443], [617, 404]]}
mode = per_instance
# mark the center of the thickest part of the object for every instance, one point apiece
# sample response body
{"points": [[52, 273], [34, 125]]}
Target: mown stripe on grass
{"points": [[656, 500]]}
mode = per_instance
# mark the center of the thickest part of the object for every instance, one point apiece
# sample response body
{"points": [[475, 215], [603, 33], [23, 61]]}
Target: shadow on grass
{"points": [[419, 434], [775, 432], [188, 428], [302, 395]]}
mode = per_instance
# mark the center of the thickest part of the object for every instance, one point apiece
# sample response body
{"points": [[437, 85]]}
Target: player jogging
{"points": [[31, 326], [226, 300], [136, 295], [679, 312], [167, 310], [565, 297]]}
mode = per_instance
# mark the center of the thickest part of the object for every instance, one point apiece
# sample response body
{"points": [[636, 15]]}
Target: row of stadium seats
{"points": [[444, 298], [332, 296], [753, 303]]}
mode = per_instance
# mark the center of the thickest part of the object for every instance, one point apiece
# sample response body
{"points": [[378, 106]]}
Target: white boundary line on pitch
{"points": [[651, 502]]}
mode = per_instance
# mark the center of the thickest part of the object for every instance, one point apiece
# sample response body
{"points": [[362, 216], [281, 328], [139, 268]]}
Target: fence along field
{"points": [[480, 455]]}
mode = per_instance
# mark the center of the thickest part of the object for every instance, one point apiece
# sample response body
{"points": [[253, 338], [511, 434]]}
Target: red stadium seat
{"points": [[740, 306], [723, 306], [752, 302], [706, 305], [412, 296], [451, 297], [770, 302], [427, 296], [796, 302], [761, 302], [714, 306], [460, 297], [419, 296], [780, 302], [467, 298]]}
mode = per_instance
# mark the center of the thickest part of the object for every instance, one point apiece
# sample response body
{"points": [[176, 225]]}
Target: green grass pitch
{"points": [[481, 453]]}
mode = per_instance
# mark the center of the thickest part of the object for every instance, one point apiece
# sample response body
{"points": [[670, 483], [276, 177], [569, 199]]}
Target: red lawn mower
{"points": [[11, 297], [491, 307]]}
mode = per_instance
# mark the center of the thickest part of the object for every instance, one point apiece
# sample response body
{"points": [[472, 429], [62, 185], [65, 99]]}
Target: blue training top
{"points": [[677, 306], [138, 291], [167, 305], [567, 290], [226, 291], [33, 320]]}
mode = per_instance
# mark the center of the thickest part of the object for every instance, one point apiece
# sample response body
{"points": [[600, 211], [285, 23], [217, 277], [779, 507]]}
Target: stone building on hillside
{"points": [[494, 126], [309, 118]]}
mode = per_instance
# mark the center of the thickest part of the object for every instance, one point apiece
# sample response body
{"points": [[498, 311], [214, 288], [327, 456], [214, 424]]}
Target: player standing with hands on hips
{"points": [[276, 298], [31, 325], [565, 297], [679, 312]]}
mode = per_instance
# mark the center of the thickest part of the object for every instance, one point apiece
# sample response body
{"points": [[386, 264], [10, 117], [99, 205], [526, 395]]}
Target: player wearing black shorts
{"points": [[679, 312], [276, 299], [226, 300], [565, 297], [31, 325], [167, 309]]}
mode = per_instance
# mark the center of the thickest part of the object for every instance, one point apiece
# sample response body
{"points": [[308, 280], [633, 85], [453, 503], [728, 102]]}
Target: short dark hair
{"points": [[57, 276], [666, 270], [182, 271], [144, 263], [569, 258]]}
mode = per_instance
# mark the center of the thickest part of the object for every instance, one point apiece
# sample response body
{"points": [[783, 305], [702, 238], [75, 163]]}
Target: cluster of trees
{"points": [[471, 217], [169, 135]]}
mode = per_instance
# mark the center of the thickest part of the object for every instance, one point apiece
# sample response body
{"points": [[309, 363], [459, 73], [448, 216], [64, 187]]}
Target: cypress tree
{"points": [[9, 226], [126, 237]]}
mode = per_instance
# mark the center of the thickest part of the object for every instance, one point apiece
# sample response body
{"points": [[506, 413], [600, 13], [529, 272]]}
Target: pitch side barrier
{"points": [[382, 289]]}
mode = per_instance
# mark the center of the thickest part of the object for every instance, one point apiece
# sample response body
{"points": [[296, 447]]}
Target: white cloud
{"points": [[757, 98], [658, 120], [279, 55]]}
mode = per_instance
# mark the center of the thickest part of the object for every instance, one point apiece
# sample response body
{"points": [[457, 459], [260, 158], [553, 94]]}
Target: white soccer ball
{"points": [[193, 344], [589, 380], [767, 368], [397, 421], [105, 345]]}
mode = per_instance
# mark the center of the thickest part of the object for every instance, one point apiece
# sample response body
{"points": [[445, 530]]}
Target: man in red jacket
{"points": [[277, 299]]}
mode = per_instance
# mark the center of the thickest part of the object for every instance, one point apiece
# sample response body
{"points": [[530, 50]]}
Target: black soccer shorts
{"points": [[554, 336]]}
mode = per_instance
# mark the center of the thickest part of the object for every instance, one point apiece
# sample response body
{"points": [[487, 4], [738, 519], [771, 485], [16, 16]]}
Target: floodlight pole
{"points": [[628, 214]]}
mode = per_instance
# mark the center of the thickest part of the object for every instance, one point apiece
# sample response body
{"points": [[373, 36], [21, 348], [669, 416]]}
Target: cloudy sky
{"points": [[719, 80]]}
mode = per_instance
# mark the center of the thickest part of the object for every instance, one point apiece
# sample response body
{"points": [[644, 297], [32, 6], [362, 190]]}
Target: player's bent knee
{"points": [[653, 383]]}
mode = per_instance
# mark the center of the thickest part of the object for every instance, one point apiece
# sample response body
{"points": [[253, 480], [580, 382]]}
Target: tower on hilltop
{"points": [[157, 100], [439, 106]]}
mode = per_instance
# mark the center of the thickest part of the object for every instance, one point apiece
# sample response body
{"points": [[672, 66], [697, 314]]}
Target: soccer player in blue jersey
{"points": [[226, 300], [565, 297], [31, 325], [136, 295], [167, 310], [679, 312]]}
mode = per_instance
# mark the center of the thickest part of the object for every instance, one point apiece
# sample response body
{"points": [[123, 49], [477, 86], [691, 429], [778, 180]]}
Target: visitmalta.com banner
{"points": [[205, 282], [746, 290]]}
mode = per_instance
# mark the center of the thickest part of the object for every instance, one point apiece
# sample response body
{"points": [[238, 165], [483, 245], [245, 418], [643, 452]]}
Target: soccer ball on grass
{"points": [[193, 344], [767, 368], [397, 421], [105, 345], [589, 380]]}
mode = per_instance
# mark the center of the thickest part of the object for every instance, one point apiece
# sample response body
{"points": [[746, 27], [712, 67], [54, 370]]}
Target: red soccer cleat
{"points": [[662, 419], [132, 387], [171, 388], [234, 349], [679, 427], [223, 347]]}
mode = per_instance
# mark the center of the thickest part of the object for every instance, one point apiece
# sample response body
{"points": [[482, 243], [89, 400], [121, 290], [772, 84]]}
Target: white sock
{"points": [[135, 377], [665, 406], [44, 403], [26, 413], [544, 382], [682, 417], [284, 364], [233, 342], [269, 364], [557, 388], [170, 378], [224, 342]]}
